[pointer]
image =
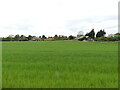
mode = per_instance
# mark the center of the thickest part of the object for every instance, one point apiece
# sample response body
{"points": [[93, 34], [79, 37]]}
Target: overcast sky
{"points": [[62, 17]]}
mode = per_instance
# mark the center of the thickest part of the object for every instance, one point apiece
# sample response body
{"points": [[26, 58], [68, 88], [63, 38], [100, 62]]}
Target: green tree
{"points": [[56, 37], [17, 38], [91, 34], [117, 34], [71, 37], [100, 33], [6, 39], [101, 39], [113, 38], [29, 37], [43, 37], [11, 37], [23, 38], [39, 36], [83, 38]]}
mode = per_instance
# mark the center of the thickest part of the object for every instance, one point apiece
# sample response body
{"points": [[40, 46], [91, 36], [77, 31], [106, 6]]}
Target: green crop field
{"points": [[60, 64]]}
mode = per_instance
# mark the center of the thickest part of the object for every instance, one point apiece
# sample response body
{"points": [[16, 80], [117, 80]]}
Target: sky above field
{"points": [[62, 17]]}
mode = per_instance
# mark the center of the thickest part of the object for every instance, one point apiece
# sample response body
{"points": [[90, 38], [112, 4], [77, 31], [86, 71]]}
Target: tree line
{"points": [[99, 36], [91, 36], [32, 38]]}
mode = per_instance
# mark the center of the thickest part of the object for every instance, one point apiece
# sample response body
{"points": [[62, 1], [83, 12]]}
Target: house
{"points": [[62, 37], [113, 35], [50, 38], [35, 39]]}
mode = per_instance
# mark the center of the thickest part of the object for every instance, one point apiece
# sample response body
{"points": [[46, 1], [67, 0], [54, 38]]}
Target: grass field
{"points": [[60, 64]]}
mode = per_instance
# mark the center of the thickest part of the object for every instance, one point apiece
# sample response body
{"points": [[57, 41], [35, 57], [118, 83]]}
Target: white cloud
{"points": [[50, 17]]}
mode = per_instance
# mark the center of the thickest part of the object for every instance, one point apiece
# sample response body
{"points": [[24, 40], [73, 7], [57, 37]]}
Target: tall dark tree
{"points": [[17, 37], [29, 37], [71, 37], [23, 38], [56, 37], [43, 37], [39, 36], [100, 33], [91, 34]]}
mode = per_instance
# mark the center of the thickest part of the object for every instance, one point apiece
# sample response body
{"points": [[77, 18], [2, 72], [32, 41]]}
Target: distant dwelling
{"points": [[35, 39], [50, 38], [113, 35], [62, 37]]}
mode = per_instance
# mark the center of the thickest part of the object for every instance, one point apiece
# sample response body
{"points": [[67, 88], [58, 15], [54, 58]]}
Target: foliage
{"points": [[43, 37], [83, 38], [17, 38], [23, 38], [29, 37], [107, 39], [100, 36], [6, 39], [91, 34], [101, 39], [113, 38], [100, 33], [117, 34], [71, 37], [56, 37]]}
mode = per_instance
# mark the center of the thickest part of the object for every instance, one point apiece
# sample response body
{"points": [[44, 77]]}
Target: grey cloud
{"points": [[74, 25], [19, 27], [112, 27], [94, 19], [76, 29]]}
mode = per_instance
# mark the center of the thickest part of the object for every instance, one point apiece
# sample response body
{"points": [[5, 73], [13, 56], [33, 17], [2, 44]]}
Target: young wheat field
{"points": [[60, 64]]}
